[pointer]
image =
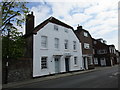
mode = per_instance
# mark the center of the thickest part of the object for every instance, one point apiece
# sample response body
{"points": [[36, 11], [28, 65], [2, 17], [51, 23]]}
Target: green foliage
{"points": [[15, 12], [13, 46]]}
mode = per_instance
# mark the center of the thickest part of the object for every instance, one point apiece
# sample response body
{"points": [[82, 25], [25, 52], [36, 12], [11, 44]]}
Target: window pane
{"points": [[86, 46], [56, 43], [74, 45], [56, 27], [44, 41], [43, 62], [102, 51], [85, 34], [75, 60], [66, 44], [66, 30]]}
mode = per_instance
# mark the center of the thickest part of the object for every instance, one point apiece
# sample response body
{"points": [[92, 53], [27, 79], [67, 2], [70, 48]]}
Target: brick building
{"points": [[104, 55], [87, 47]]}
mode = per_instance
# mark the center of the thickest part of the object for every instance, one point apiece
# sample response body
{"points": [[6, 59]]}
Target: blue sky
{"points": [[99, 17]]}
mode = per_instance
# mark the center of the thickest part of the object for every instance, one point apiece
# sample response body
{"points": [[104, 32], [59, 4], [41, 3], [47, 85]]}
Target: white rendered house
{"points": [[56, 48]]}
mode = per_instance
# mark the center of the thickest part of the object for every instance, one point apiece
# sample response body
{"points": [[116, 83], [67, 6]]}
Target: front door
{"points": [[85, 62], [57, 65], [67, 64], [103, 62]]}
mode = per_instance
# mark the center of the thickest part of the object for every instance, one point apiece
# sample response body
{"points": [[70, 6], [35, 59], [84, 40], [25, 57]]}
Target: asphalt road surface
{"points": [[105, 78]]}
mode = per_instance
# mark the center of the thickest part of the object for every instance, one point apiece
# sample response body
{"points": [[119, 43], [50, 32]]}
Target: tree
{"points": [[16, 45], [15, 13]]}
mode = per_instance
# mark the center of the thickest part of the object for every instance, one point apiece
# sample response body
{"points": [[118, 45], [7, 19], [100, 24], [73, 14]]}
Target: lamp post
{"points": [[8, 27]]}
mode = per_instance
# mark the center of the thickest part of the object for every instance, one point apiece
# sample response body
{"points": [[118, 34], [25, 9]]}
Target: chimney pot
{"points": [[79, 27], [32, 13]]}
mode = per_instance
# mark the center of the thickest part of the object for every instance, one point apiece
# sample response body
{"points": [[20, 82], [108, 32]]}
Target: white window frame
{"points": [[44, 43], [56, 27], [74, 45], [44, 63], [102, 51], [66, 44], [75, 60], [56, 43], [85, 34], [86, 46]]}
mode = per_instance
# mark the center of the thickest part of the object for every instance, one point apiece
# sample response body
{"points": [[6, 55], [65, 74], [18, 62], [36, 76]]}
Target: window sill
{"points": [[87, 48], [86, 36], [75, 65], [57, 49], [66, 50], [44, 49], [44, 69], [74, 50]]}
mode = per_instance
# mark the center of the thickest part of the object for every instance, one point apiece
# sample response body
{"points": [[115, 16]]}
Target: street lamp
{"points": [[8, 27]]}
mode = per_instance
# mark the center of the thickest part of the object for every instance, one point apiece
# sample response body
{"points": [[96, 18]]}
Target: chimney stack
{"points": [[29, 23], [79, 27]]}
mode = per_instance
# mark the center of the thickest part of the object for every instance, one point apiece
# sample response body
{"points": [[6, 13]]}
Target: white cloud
{"points": [[60, 9], [113, 40], [63, 9], [78, 19], [41, 13], [105, 20], [107, 14], [99, 17]]}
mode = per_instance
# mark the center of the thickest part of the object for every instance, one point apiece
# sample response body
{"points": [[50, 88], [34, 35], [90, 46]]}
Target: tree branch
{"points": [[11, 3], [6, 3], [8, 20]]}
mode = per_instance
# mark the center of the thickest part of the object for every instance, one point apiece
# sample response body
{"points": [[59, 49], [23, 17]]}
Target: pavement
{"points": [[15, 84]]}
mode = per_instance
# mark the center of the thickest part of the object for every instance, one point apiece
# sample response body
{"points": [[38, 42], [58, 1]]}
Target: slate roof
{"points": [[52, 20]]}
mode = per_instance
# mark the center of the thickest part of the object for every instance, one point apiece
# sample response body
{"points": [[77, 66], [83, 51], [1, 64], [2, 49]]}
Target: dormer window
{"points": [[85, 34], [66, 30], [56, 27]]}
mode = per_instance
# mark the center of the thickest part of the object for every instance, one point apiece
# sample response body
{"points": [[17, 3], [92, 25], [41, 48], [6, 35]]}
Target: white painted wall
{"points": [[38, 52]]}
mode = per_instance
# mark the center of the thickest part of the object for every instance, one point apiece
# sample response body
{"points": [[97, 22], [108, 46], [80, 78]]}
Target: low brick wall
{"points": [[18, 70]]}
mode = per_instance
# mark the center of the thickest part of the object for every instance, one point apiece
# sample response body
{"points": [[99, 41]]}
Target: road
{"points": [[104, 78]]}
